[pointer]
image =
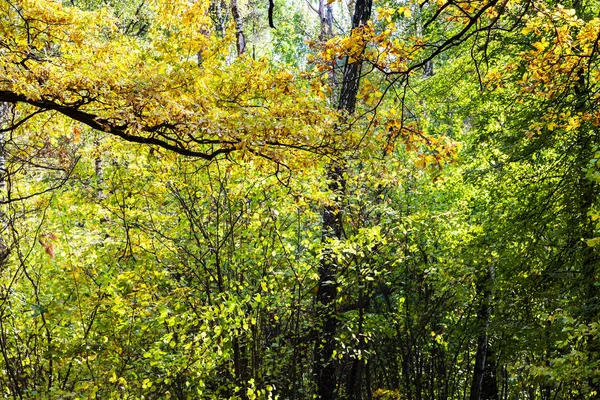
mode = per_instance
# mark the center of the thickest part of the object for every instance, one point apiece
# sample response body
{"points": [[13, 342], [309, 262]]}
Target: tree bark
{"points": [[484, 386], [326, 18], [327, 291], [5, 111], [332, 229], [99, 170], [239, 31], [4, 116], [352, 71]]}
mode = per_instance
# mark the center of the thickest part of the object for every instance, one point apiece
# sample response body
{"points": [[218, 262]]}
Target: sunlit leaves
{"points": [[153, 86]]}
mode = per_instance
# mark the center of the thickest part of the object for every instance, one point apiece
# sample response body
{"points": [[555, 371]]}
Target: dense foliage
{"points": [[328, 199]]}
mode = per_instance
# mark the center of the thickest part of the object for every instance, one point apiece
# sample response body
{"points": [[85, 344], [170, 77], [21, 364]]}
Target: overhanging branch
{"points": [[105, 125]]}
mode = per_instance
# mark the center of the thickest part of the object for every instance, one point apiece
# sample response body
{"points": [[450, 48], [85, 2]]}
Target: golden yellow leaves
{"points": [[46, 53], [389, 46], [387, 14], [319, 88], [153, 87], [180, 28], [496, 77], [62, 47], [39, 24], [566, 121], [561, 47], [384, 50], [76, 134], [370, 93], [431, 151], [462, 12], [36, 15], [541, 45], [559, 64]]}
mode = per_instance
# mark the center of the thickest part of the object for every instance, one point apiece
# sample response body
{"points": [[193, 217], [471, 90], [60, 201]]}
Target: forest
{"points": [[309, 199]]}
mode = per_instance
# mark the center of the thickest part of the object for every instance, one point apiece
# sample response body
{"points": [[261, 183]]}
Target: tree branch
{"points": [[105, 125]]}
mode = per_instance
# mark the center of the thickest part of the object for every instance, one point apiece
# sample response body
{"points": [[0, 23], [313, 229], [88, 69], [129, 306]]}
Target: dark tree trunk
{"points": [[352, 71], [354, 379], [484, 385], [327, 292], [324, 365]]}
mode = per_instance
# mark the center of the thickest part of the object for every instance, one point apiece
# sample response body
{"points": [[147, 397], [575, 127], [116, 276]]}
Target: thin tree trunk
{"points": [[240, 350], [239, 31], [4, 117], [99, 169], [14, 383], [484, 384], [4, 122], [354, 382], [221, 17], [326, 18]]}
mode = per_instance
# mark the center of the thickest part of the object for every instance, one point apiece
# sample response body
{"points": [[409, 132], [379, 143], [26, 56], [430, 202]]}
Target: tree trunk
{"points": [[5, 111], [239, 31], [324, 365], [327, 291], [14, 378], [99, 170], [484, 384], [326, 18]]}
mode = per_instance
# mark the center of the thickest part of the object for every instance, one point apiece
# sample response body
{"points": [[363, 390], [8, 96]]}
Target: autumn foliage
{"points": [[372, 200]]}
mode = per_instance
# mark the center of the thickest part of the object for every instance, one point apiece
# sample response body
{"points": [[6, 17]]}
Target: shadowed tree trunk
{"points": [[484, 386], [324, 365], [14, 380], [4, 121], [352, 70], [5, 112]]}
